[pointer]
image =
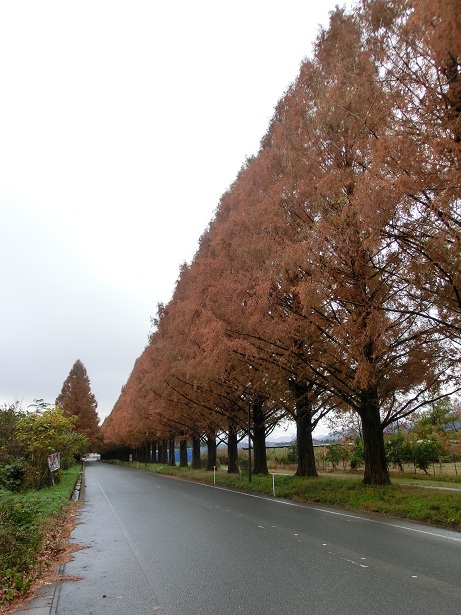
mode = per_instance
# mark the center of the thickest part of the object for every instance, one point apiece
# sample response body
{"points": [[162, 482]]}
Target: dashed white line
{"points": [[351, 561]]}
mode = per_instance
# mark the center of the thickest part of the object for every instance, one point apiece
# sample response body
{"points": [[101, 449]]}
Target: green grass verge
{"points": [[25, 521], [414, 502]]}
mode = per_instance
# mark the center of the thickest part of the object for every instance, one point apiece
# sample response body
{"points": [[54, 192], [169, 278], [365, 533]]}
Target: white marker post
{"points": [[214, 475], [273, 483]]}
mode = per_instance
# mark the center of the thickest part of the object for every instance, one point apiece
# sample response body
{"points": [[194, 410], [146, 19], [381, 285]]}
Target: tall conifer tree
{"points": [[76, 399]]}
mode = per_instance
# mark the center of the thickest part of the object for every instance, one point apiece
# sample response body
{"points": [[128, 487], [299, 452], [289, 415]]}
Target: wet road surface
{"points": [[162, 545]]}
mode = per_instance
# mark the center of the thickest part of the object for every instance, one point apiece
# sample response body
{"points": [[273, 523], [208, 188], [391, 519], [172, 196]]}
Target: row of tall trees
{"points": [[329, 277]]}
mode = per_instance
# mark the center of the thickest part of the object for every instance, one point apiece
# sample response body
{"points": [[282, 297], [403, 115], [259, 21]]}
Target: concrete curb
{"points": [[78, 486]]}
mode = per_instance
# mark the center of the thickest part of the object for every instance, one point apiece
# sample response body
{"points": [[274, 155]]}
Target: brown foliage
{"points": [[329, 276], [76, 399]]}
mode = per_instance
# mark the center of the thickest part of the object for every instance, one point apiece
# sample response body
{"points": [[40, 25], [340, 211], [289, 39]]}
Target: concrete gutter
{"points": [[78, 486]]}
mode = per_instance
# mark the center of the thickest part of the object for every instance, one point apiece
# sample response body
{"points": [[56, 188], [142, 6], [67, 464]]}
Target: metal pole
{"points": [[249, 440]]}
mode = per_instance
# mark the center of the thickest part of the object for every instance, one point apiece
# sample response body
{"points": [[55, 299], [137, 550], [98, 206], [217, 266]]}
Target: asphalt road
{"points": [[157, 544]]}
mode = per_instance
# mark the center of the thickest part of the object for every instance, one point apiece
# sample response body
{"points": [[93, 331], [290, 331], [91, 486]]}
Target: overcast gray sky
{"points": [[121, 124]]}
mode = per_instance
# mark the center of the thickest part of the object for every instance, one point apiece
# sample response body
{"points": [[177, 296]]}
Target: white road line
{"points": [[323, 510], [351, 561]]}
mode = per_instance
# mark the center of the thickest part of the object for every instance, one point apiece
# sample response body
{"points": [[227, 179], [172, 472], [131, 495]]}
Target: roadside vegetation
{"points": [[32, 534], [34, 502]]}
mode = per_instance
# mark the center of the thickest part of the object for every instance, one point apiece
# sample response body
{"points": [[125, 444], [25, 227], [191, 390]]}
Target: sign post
{"points": [[54, 463]]}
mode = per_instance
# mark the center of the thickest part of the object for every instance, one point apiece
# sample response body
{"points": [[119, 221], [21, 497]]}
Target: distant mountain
{"points": [[326, 437], [288, 439]]}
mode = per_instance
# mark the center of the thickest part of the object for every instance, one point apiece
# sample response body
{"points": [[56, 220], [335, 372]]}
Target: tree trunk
{"points": [[172, 460], [154, 451], [196, 461], [183, 454], [232, 451], [259, 439], [376, 470], [304, 441], [162, 451], [211, 446]]}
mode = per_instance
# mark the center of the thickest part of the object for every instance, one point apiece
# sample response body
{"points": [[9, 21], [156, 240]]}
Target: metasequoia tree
{"points": [[373, 358], [128, 427], [221, 376], [76, 399], [304, 397], [188, 374], [299, 165], [263, 329], [235, 255], [418, 48], [190, 399]]}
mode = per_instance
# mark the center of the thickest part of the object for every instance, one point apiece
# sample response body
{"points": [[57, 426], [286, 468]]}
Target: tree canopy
{"points": [[77, 400], [329, 277]]}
